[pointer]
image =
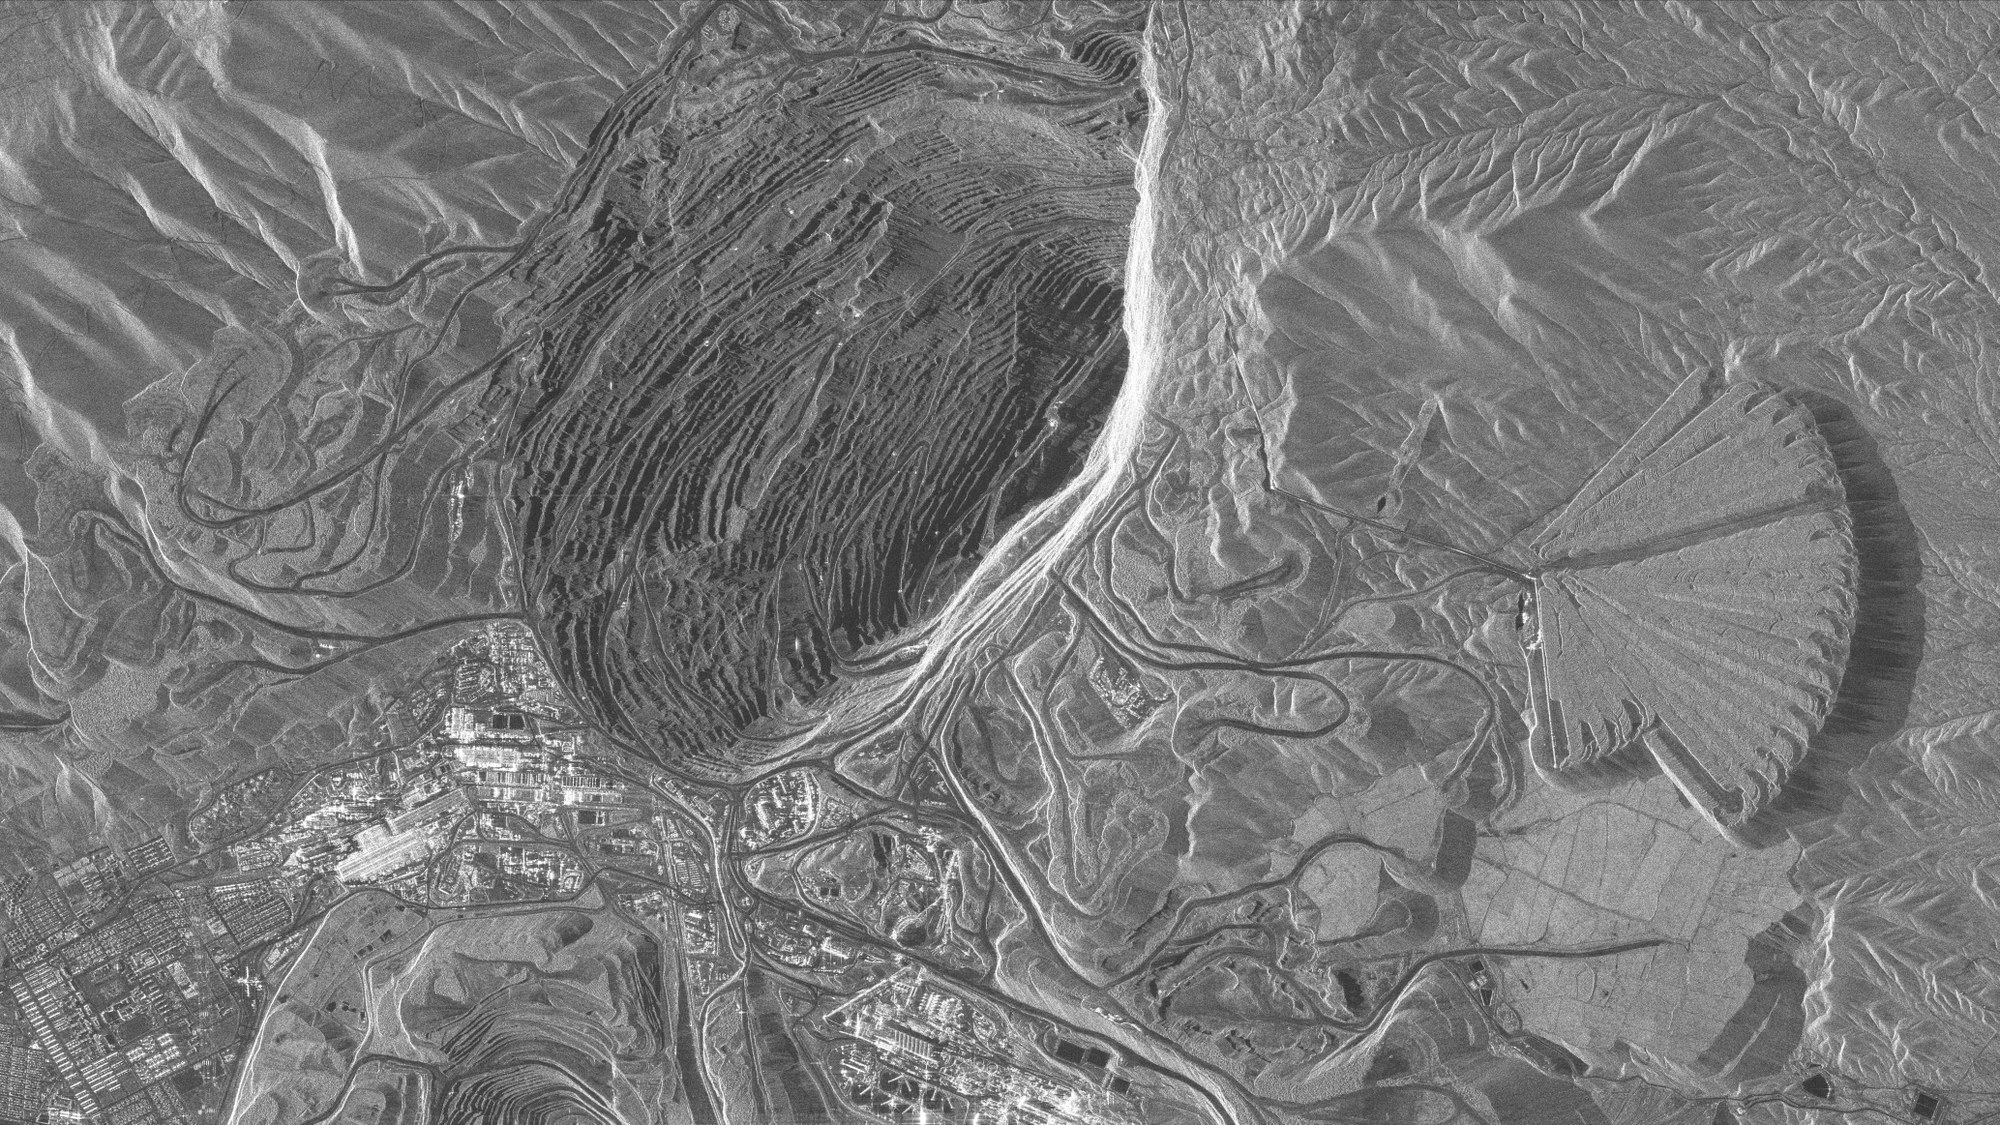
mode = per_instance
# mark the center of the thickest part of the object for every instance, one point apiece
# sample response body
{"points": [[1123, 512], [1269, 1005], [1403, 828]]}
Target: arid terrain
{"points": [[1102, 562]]}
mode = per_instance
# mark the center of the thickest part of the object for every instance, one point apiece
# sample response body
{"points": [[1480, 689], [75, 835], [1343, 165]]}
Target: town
{"points": [[127, 1003], [136, 973]]}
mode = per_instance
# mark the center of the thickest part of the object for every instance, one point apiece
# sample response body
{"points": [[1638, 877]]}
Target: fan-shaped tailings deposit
{"points": [[1695, 599]]}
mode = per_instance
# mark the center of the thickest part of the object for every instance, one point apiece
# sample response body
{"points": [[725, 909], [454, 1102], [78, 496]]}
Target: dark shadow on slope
{"points": [[700, 1108], [787, 1088], [1760, 1037], [1522, 1094], [1888, 642]]}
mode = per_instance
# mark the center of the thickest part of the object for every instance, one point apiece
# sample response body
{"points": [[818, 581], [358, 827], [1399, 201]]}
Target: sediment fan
{"points": [[1695, 599]]}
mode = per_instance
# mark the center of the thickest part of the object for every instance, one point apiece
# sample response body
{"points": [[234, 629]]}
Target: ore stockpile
{"points": [[1031, 562]]}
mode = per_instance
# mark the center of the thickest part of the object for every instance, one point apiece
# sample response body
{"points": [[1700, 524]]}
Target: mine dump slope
{"points": [[813, 335]]}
